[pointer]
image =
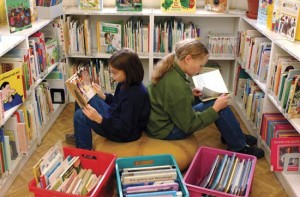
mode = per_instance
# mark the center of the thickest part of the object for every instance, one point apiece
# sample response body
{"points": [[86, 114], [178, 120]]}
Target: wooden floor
{"points": [[264, 183]]}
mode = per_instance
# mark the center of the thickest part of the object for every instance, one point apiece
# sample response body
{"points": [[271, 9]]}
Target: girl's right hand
{"points": [[99, 91], [221, 102]]}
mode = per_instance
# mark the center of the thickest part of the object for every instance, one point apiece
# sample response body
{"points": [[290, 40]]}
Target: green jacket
{"points": [[171, 104]]}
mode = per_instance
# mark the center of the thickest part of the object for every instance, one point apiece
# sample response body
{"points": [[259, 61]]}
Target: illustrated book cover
{"points": [[211, 84], [176, 6], [80, 86], [129, 5], [18, 15], [216, 6], [90, 4], [280, 147], [109, 36]]}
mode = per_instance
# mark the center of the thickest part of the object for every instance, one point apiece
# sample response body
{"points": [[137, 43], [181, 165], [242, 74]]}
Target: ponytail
{"points": [[162, 67]]}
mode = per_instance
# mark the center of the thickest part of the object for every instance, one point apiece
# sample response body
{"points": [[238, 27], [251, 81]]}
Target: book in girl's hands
{"points": [[80, 86], [211, 85]]}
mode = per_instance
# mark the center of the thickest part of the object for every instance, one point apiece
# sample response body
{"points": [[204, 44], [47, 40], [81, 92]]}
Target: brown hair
{"points": [[129, 62], [190, 46]]}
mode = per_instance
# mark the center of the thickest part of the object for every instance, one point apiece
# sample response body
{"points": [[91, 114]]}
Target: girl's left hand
{"points": [[92, 114], [196, 92]]}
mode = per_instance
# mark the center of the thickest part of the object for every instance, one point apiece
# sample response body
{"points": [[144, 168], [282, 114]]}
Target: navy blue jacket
{"points": [[128, 113]]}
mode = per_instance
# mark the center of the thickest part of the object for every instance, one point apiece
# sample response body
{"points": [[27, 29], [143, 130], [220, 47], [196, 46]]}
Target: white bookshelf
{"points": [[8, 42], [290, 182]]}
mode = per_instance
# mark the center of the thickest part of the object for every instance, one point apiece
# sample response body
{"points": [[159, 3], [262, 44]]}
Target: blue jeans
{"points": [[83, 126], [227, 125]]}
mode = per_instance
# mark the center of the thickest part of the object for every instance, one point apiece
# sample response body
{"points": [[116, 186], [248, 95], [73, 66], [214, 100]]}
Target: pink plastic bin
{"points": [[201, 165]]}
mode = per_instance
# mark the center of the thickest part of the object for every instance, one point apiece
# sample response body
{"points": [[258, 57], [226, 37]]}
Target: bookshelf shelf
{"points": [[9, 42], [106, 12], [36, 25]]}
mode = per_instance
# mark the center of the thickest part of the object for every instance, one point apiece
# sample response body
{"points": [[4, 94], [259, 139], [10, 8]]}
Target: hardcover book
{"points": [[129, 5], [18, 15], [178, 6], [216, 6], [90, 4], [80, 86], [109, 36], [279, 148]]}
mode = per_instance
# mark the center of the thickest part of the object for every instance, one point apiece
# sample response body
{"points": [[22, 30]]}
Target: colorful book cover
{"points": [[289, 17], [18, 15], [262, 12], [109, 35], [179, 6], [90, 4], [279, 148], [294, 107], [129, 5], [11, 84], [216, 6]]}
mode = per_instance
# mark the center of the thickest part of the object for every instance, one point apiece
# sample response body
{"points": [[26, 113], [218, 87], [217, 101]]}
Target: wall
{"points": [[234, 4]]}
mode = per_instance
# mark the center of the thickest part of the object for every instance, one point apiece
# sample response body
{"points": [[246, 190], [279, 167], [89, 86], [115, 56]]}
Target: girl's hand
{"points": [[221, 102], [98, 89], [196, 92], [92, 114]]}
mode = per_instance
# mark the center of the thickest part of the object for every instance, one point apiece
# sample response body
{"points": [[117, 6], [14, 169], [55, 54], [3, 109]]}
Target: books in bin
{"points": [[18, 15], [185, 6], [211, 84], [80, 86], [129, 5]]}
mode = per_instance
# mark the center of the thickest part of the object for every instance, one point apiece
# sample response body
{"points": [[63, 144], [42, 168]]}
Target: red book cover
{"points": [[279, 149], [283, 128], [264, 124]]}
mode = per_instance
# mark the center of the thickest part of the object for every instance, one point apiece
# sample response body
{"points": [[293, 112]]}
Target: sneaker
{"points": [[250, 140], [257, 152], [70, 138]]}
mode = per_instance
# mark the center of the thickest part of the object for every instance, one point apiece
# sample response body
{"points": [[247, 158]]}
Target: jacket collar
{"points": [[181, 73]]}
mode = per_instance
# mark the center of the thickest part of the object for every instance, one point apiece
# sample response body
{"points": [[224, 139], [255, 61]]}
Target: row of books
{"points": [[285, 84], [220, 45], [143, 181], [170, 31], [228, 174], [254, 54], [280, 16], [63, 173]]}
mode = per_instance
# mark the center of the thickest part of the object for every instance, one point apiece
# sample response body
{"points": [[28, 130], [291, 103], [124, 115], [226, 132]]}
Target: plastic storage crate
{"points": [[101, 164], [145, 161], [201, 165]]}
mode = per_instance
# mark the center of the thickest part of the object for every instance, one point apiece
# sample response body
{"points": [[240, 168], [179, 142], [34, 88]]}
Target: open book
{"points": [[80, 86], [211, 85]]}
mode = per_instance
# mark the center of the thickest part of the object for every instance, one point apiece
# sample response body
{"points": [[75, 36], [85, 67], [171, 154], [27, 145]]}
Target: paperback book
{"points": [[90, 4], [80, 86], [185, 6], [216, 6], [211, 85]]}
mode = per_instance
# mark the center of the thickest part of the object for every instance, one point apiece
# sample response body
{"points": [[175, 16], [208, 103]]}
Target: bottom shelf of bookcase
{"points": [[290, 183], [9, 179]]}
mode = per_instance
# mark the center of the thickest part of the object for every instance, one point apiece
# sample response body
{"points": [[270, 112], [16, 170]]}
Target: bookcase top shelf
{"points": [[198, 13], [9, 42], [106, 11], [36, 25]]}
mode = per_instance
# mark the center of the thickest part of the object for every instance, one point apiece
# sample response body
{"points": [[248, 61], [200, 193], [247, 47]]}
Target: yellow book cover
{"points": [[12, 86], [178, 6], [270, 7]]}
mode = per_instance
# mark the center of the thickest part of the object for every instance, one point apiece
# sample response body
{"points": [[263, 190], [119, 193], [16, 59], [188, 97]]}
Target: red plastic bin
{"points": [[101, 163], [201, 165]]}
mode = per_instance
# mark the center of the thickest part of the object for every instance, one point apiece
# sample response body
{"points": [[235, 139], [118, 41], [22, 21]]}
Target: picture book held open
{"points": [[80, 86], [211, 84]]}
